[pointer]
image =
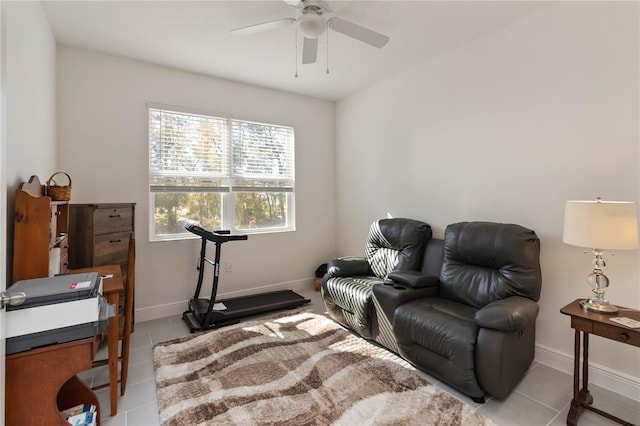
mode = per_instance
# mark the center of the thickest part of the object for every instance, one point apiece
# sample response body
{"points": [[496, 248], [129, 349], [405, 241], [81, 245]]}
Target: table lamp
{"points": [[600, 225]]}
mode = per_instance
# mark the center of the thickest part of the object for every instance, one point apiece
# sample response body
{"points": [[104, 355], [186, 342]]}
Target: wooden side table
{"points": [[589, 322]]}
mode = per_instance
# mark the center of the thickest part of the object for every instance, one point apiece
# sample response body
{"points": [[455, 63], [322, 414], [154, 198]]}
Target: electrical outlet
{"points": [[228, 267]]}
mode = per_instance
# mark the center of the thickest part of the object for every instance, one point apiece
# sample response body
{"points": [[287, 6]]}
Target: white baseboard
{"points": [[177, 308], [613, 380]]}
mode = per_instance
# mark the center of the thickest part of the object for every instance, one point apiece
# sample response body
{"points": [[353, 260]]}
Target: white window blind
{"points": [[262, 157], [199, 153]]}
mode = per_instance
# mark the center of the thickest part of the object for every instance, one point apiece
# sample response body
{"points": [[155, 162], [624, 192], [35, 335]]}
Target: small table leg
{"points": [[112, 348], [574, 411], [585, 367], [581, 397]]}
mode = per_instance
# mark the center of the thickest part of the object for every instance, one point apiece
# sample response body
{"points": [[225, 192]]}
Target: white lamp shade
{"points": [[600, 224]]}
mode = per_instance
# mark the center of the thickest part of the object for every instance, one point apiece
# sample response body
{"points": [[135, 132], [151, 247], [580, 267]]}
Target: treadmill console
{"points": [[216, 236]]}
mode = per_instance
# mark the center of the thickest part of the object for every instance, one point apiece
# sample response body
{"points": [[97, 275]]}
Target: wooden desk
{"points": [[111, 289], [589, 322], [42, 381]]}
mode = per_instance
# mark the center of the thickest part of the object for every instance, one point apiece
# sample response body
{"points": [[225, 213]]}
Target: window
{"points": [[224, 173]]}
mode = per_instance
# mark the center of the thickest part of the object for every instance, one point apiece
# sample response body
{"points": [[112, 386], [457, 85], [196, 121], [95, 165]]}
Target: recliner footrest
{"points": [[439, 336], [348, 301]]}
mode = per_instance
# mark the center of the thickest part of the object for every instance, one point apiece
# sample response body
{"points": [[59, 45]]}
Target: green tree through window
{"points": [[204, 168]]}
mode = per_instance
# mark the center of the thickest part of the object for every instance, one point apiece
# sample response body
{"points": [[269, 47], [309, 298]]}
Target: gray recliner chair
{"points": [[478, 334], [392, 245]]}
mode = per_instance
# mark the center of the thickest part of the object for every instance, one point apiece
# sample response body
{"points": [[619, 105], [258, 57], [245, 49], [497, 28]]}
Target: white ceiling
{"points": [[194, 36]]}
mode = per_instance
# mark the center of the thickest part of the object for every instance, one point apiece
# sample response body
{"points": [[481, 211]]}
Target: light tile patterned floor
{"points": [[541, 398]]}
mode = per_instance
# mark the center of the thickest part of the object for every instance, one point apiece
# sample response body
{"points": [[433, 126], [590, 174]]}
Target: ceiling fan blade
{"points": [[265, 26], [309, 50], [358, 32]]}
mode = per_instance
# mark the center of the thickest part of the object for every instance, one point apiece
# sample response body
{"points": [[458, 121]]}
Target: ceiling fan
{"points": [[312, 24]]}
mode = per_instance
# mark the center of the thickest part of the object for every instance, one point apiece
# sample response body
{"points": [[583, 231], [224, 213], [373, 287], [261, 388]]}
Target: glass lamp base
{"points": [[603, 307]]}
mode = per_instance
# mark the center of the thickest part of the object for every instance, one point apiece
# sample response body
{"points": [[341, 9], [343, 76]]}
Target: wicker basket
{"points": [[59, 192]]}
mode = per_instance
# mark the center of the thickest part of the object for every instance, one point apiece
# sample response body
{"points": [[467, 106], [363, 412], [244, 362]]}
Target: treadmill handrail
{"points": [[216, 236]]}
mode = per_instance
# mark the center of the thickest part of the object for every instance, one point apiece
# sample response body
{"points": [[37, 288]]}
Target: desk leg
{"points": [[112, 346]]}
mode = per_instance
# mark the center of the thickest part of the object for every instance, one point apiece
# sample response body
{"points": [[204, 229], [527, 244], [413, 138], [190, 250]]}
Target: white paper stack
{"points": [[54, 261]]}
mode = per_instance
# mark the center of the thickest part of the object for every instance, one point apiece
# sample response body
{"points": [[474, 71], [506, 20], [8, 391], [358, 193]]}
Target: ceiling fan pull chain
{"points": [[296, 52], [327, 47]]}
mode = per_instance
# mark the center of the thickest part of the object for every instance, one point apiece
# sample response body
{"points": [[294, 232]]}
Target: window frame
{"points": [[227, 195]]}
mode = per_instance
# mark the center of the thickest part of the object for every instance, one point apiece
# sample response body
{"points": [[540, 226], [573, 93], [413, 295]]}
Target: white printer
{"points": [[56, 310]]}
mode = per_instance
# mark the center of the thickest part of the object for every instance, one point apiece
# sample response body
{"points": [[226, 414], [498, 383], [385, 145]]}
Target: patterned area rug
{"points": [[294, 369]]}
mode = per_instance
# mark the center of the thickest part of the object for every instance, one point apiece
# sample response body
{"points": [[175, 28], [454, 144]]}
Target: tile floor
{"points": [[542, 398]]}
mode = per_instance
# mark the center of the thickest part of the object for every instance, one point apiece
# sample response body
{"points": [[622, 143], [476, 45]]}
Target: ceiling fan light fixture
{"points": [[312, 25]]}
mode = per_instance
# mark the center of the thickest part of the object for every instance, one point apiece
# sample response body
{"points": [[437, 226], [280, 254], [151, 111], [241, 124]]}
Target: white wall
{"points": [[30, 100], [506, 129], [103, 145]]}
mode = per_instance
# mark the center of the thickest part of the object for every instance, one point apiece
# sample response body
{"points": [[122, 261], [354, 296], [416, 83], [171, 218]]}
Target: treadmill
{"points": [[204, 314]]}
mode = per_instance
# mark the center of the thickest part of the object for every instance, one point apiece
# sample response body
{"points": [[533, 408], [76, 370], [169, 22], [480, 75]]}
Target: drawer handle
{"points": [[114, 215], [624, 337], [114, 241]]}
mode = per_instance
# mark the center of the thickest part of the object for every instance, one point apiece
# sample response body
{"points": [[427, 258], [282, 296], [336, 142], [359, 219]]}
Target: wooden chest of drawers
{"points": [[99, 234]]}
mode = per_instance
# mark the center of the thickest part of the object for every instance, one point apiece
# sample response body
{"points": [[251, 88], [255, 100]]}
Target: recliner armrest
{"points": [[510, 314], [349, 266], [413, 279]]}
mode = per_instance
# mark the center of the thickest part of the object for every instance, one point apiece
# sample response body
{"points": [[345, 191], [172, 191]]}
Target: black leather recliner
{"points": [[392, 244], [478, 334], [467, 316]]}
